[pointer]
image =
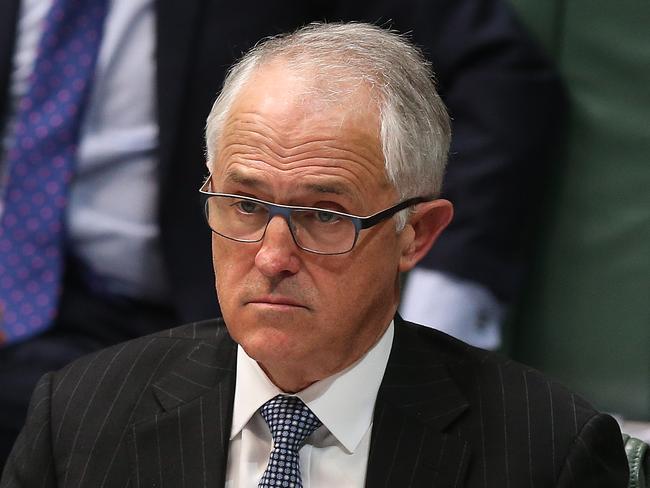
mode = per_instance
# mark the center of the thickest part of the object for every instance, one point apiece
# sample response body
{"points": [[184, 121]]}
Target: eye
{"points": [[248, 207], [324, 217]]}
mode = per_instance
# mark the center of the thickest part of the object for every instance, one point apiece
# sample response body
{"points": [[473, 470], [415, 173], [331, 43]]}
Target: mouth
{"points": [[276, 302]]}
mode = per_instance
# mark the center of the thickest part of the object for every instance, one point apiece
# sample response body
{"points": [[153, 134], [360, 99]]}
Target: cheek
{"points": [[372, 276], [378, 256], [229, 264], [356, 286]]}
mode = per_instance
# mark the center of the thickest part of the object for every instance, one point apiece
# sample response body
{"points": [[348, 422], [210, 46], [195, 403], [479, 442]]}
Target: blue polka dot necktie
{"points": [[39, 166], [290, 422]]}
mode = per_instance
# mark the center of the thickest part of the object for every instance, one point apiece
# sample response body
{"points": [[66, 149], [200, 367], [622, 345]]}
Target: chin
{"points": [[264, 343]]}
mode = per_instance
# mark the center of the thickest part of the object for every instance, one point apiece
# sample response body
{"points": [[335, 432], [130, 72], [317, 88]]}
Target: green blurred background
{"points": [[585, 317]]}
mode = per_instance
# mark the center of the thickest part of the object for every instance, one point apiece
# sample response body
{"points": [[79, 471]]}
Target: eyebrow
{"points": [[331, 187], [243, 179], [335, 188]]}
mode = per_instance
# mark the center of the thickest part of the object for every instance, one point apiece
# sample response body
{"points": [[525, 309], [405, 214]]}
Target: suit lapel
{"points": [[176, 38], [417, 401], [8, 22], [187, 443]]}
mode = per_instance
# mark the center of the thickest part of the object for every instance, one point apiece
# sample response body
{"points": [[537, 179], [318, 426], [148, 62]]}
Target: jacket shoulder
{"points": [[472, 366], [546, 431], [130, 367], [185, 336]]}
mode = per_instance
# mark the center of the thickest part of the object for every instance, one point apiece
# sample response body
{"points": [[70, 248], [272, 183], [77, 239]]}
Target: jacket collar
{"points": [[196, 398], [176, 43], [8, 24], [417, 402]]}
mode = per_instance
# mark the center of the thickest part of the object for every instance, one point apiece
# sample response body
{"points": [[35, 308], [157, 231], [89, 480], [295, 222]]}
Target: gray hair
{"points": [[414, 126]]}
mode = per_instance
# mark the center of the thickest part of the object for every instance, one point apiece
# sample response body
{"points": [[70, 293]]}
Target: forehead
{"points": [[284, 123], [286, 92]]}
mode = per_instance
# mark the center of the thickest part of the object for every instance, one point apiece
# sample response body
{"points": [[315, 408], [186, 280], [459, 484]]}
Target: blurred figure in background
{"points": [[124, 179]]}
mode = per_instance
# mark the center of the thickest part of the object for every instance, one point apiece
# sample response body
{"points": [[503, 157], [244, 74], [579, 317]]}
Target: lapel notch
{"points": [[186, 445]]}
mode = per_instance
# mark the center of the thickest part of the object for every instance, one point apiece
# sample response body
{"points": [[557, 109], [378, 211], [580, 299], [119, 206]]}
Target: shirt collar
{"points": [[344, 402]]}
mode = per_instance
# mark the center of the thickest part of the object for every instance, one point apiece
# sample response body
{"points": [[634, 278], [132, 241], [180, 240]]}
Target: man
{"points": [[310, 131], [140, 263]]}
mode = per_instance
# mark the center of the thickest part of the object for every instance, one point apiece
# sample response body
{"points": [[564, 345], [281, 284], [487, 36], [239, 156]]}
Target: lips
{"points": [[274, 300]]}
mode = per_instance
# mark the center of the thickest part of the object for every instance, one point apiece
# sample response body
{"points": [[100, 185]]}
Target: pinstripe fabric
{"points": [[157, 411], [150, 412], [451, 415]]}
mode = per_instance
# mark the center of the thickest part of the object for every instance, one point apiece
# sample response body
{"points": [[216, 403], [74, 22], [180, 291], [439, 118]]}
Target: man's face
{"points": [[292, 310]]}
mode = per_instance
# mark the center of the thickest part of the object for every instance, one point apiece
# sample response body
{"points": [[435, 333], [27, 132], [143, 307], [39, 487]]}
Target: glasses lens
{"points": [[236, 218], [322, 231], [245, 220]]}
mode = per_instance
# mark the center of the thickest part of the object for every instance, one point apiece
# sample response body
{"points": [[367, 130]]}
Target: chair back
{"points": [[638, 458]]}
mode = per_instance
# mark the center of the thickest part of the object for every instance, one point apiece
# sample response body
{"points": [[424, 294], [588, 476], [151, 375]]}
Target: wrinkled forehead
{"points": [[306, 95], [281, 125]]}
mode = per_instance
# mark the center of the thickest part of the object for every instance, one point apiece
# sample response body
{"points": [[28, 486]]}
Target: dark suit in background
{"points": [[497, 87], [157, 411]]}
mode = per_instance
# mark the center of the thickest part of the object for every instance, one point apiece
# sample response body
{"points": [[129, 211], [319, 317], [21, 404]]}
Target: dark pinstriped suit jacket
{"points": [[156, 411]]}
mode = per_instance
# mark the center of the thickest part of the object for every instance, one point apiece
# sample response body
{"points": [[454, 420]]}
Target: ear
{"points": [[422, 229]]}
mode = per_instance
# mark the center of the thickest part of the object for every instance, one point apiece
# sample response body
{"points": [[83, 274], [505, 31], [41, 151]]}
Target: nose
{"points": [[278, 253]]}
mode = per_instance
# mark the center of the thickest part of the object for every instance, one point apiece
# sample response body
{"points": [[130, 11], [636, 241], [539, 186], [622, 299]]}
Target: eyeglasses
{"points": [[316, 230]]}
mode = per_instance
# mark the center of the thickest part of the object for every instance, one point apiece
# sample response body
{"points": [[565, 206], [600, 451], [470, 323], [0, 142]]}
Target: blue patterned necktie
{"points": [[291, 422], [40, 164]]}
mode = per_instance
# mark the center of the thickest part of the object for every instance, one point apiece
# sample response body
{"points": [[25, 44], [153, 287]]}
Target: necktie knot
{"points": [[290, 422]]}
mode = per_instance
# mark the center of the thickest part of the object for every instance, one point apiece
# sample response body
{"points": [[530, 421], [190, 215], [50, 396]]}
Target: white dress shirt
{"points": [[336, 454]]}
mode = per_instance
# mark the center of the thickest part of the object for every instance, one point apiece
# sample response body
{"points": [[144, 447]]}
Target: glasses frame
{"points": [[284, 211]]}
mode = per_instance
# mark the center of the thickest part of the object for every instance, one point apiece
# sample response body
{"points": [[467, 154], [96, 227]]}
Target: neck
{"points": [[292, 378], [288, 383]]}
